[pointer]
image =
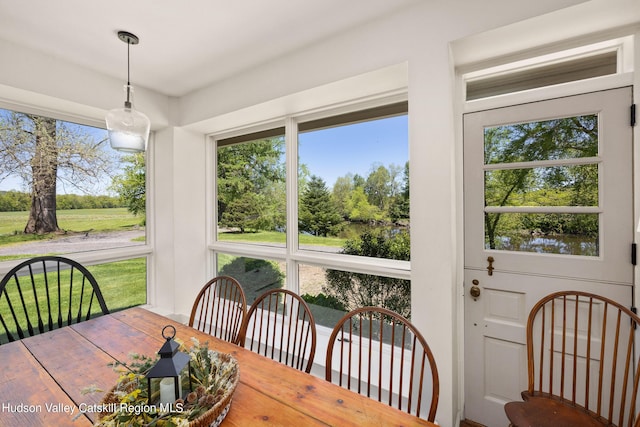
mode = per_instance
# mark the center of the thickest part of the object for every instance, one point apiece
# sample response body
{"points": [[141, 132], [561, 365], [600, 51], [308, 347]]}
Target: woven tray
{"points": [[217, 413]]}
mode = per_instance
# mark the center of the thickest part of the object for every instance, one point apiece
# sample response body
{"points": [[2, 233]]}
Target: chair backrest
{"points": [[46, 293], [279, 325], [580, 349], [380, 354], [220, 308]]}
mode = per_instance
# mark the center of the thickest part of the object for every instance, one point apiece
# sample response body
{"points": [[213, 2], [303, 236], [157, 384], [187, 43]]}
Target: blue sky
{"points": [[334, 152]]}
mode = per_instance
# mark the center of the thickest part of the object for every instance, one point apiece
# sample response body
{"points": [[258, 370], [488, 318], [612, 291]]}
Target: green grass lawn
{"points": [[74, 220], [123, 283], [275, 237]]}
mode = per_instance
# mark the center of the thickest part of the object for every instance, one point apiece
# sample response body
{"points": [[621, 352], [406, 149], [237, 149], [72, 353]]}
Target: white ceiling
{"points": [[184, 45]]}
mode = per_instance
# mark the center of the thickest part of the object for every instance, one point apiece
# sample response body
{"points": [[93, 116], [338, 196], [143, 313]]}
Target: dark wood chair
{"points": [[582, 366], [46, 293], [380, 354], [220, 308], [279, 325]]}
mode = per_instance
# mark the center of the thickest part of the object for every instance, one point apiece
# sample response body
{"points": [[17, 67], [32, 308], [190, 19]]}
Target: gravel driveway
{"points": [[75, 243]]}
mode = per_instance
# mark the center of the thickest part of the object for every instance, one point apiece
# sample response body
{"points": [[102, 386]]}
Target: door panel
{"points": [[548, 196]]}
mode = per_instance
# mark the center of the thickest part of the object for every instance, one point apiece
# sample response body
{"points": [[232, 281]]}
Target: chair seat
{"points": [[543, 412]]}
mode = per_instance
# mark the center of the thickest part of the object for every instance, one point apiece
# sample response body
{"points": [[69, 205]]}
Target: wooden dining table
{"points": [[44, 376]]}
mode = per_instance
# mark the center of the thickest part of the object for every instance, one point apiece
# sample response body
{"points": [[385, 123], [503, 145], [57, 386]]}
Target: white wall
{"points": [[419, 36], [180, 244]]}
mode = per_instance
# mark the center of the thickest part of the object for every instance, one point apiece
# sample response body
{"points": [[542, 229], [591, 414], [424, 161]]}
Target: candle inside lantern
{"points": [[168, 391]]}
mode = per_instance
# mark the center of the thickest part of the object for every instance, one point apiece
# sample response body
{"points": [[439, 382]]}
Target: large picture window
{"points": [[64, 191], [347, 175], [353, 182]]}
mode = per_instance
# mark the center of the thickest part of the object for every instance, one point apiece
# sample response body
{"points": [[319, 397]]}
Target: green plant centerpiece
{"points": [[214, 377]]}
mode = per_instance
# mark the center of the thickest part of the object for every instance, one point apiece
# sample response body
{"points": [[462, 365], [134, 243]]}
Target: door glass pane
{"points": [[546, 186], [567, 234], [515, 195], [565, 138]]}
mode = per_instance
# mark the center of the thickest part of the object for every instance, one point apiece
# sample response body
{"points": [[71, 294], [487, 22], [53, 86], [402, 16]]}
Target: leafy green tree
{"points": [[43, 152], [359, 289], [318, 213], [342, 190], [399, 209], [359, 208], [358, 181], [378, 187], [247, 212], [252, 167], [14, 201], [131, 185]]}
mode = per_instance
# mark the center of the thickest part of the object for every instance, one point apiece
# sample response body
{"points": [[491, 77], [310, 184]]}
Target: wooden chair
{"points": [[279, 325], [46, 293], [581, 365], [380, 354], [220, 308]]}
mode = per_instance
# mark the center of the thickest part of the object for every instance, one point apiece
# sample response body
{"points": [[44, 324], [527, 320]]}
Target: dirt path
{"points": [[75, 243]]}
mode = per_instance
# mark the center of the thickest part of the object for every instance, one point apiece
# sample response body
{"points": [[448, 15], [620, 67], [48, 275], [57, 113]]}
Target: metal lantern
{"points": [[166, 376]]}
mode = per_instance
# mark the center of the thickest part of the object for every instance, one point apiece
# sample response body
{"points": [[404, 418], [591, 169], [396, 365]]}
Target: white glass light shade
{"points": [[128, 128]]}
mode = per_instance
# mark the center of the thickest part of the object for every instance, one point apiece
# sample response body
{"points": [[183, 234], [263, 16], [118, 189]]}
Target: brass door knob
{"points": [[475, 289]]}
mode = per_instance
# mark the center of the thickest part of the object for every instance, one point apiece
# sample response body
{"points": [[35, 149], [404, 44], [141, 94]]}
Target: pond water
{"points": [[565, 244]]}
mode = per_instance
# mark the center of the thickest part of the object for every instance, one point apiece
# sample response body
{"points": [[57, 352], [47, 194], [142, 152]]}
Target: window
{"points": [[330, 293], [255, 275], [63, 191], [346, 244], [541, 186], [594, 61], [251, 188], [353, 182]]}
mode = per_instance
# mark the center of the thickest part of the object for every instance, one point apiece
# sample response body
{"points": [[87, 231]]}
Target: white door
{"points": [[547, 207]]}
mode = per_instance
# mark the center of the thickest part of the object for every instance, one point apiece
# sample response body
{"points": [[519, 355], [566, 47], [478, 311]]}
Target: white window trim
{"points": [[624, 46], [292, 254]]}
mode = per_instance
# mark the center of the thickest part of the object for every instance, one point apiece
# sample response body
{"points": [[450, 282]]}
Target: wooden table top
{"points": [[44, 375]]}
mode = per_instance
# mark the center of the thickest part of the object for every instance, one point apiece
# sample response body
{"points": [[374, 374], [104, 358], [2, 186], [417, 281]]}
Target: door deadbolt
{"points": [[475, 289]]}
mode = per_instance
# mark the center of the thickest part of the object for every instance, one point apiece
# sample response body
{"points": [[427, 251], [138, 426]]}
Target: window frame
{"points": [[291, 254], [103, 256]]}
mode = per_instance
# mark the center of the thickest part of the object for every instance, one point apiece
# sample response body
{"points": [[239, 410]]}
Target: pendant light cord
{"points": [[127, 103], [128, 59]]}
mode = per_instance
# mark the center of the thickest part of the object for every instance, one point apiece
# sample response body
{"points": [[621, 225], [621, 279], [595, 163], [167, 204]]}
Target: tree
{"points": [[318, 214], [247, 212], [359, 208], [399, 209], [342, 190], [359, 289], [252, 167], [131, 185], [378, 187], [564, 138], [43, 153]]}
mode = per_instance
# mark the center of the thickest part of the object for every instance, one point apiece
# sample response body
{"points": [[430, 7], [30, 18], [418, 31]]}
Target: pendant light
{"points": [[128, 128]]}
